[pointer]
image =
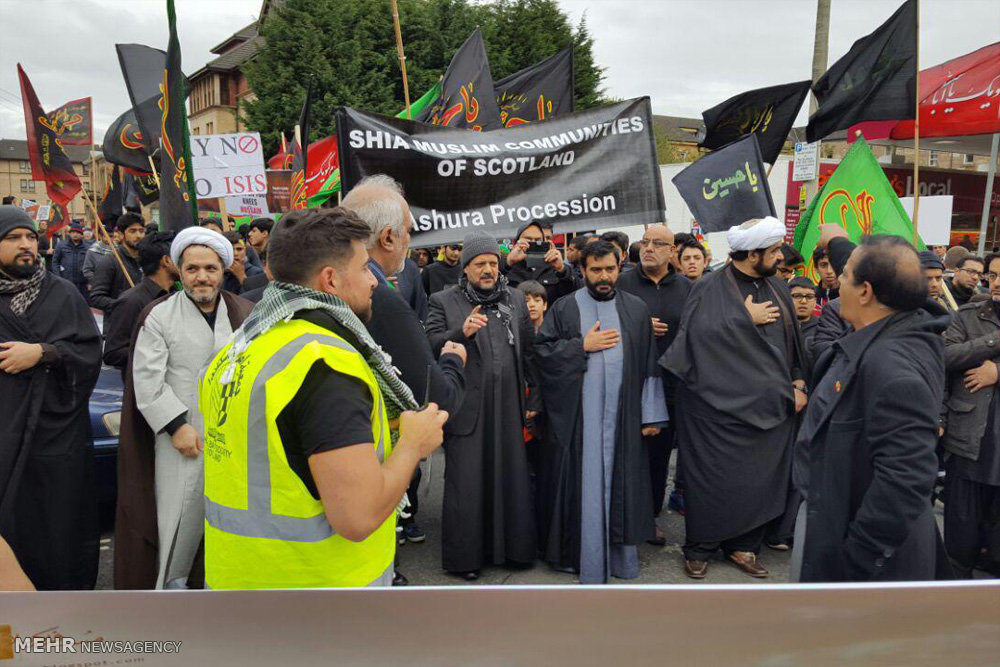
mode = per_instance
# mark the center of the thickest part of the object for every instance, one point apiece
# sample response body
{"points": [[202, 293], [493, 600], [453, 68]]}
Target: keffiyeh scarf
{"points": [[25, 290]]}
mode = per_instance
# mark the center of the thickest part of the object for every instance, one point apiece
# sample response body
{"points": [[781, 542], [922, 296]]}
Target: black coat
{"points": [[118, 326], [830, 328], [447, 311], [556, 285], [395, 327], [868, 439], [109, 282], [972, 338]]}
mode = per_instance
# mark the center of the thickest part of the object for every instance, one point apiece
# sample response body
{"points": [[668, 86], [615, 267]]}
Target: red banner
{"points": [[323, 160], [74, 123], [959, 97], [49, 161]]}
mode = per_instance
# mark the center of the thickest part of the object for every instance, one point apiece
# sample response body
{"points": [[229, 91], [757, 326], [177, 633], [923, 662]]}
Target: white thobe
{"points": [[174, 345]]}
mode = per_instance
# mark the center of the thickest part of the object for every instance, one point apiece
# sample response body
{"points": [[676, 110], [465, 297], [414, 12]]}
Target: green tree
{"points": [[349, 48]]}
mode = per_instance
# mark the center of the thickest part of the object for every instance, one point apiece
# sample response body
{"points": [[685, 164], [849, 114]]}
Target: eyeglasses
{"points": [[454, 247], [973, 273], [803, 297], [656, 243], [992, 276]]}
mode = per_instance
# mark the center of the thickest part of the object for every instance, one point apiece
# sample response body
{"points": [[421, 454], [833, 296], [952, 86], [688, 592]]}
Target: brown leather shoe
{"points": [[747, 561], [696, 569]]}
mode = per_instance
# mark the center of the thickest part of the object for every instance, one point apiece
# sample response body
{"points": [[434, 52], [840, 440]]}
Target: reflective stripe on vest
{"points": [[258, 520]]}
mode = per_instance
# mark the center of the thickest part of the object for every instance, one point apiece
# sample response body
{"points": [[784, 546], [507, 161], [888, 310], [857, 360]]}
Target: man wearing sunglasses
{"points": [[442, 275]]}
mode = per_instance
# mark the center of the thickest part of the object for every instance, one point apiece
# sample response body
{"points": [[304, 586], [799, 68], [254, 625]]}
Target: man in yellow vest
{"points": [[302, 477]]}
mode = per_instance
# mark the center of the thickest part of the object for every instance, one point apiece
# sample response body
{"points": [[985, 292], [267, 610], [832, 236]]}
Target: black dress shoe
{"points": [[471, 575], [399, 579]]}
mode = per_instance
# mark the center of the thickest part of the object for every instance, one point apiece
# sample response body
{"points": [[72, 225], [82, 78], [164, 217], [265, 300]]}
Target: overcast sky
{"points": [[687, 55]]}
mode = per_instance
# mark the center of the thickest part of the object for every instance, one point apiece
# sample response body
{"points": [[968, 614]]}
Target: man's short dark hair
{"points": [[969, 258], [8, 200], [790, 256], [597, 250], [580, 240], [801, 281], [818, 254], [263, 225], [212, 220], [691, 242], [633, 253], [304, 240], [233, 237], [126, 220], [681, 238], [620, 239], [989, 260], [152, 248], [881, 263], [534, 288]]}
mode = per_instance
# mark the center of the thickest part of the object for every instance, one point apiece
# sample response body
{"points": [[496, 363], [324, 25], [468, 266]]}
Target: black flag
{"points": [[876, 80], [110, 207], [123, 143], [538, 92], [178, 203], [767, 112], [727, 187], [468, 98], [139, 189], [142, 67]]}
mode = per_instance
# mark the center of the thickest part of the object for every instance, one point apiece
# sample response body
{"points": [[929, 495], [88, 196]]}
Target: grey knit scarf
{"points": [[25, 290]]}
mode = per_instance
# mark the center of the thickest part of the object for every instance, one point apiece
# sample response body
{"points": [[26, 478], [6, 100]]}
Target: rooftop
{"points": [[17, 149]]}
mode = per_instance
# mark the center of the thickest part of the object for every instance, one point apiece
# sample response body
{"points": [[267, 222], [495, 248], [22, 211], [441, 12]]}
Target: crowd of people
{"points": [[282, 386]]}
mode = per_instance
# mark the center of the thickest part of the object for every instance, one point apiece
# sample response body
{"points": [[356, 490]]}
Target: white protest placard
{"points": [[255, 205], [806, 163], [228, 165], [934, 223], [44, 210]]}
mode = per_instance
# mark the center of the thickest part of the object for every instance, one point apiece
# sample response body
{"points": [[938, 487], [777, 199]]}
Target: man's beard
{"points": [[20, 270], [600, 296], [487, 290], [763, 271], [202, 300]]}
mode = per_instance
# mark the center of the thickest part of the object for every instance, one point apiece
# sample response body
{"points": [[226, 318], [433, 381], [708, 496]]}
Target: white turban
{"points": [[756, 234], [200, 236]]}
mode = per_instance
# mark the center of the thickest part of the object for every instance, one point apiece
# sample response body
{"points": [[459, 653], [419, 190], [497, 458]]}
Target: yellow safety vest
{"points": [[263, 529]]}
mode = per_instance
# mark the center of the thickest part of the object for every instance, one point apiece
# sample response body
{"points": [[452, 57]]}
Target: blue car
{"points": [[105, 421]]}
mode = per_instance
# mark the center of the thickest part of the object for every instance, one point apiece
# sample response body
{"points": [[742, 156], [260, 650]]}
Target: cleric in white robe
{"points": [[175, 341]]}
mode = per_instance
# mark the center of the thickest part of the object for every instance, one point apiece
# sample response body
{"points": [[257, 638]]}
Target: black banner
{"points": [[468, 99], [140, 189], [727, 187], [178, 203], [544, 90], [876, 80], [142, 66], [596, 168], [123, 144], [110, 208], [74, 123], [767, 112]]}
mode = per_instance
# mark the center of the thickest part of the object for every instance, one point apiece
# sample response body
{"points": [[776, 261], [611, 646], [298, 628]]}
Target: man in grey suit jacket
{"points": [[487, 518]]}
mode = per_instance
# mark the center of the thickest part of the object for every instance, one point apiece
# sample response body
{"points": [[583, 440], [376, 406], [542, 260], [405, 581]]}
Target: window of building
{"points": [[968, 159], [31, 186], [209, 127], [934, 159], [25, 167], [24, 185]]}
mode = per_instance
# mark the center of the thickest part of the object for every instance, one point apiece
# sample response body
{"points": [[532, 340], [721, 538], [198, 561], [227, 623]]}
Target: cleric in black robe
{"points": [[50, 357], [738, 354], [602, 392]]}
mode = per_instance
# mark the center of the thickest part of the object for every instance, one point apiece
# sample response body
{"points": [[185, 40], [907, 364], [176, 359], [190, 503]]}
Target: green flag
{"points": [[429, 98], [332, 185], [859, 198]]}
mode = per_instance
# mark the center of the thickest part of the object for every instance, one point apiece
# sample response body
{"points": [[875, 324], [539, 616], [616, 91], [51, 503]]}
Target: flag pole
{"points": [[402, 57], [152, 168], [916, 137], [111, 243]]}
